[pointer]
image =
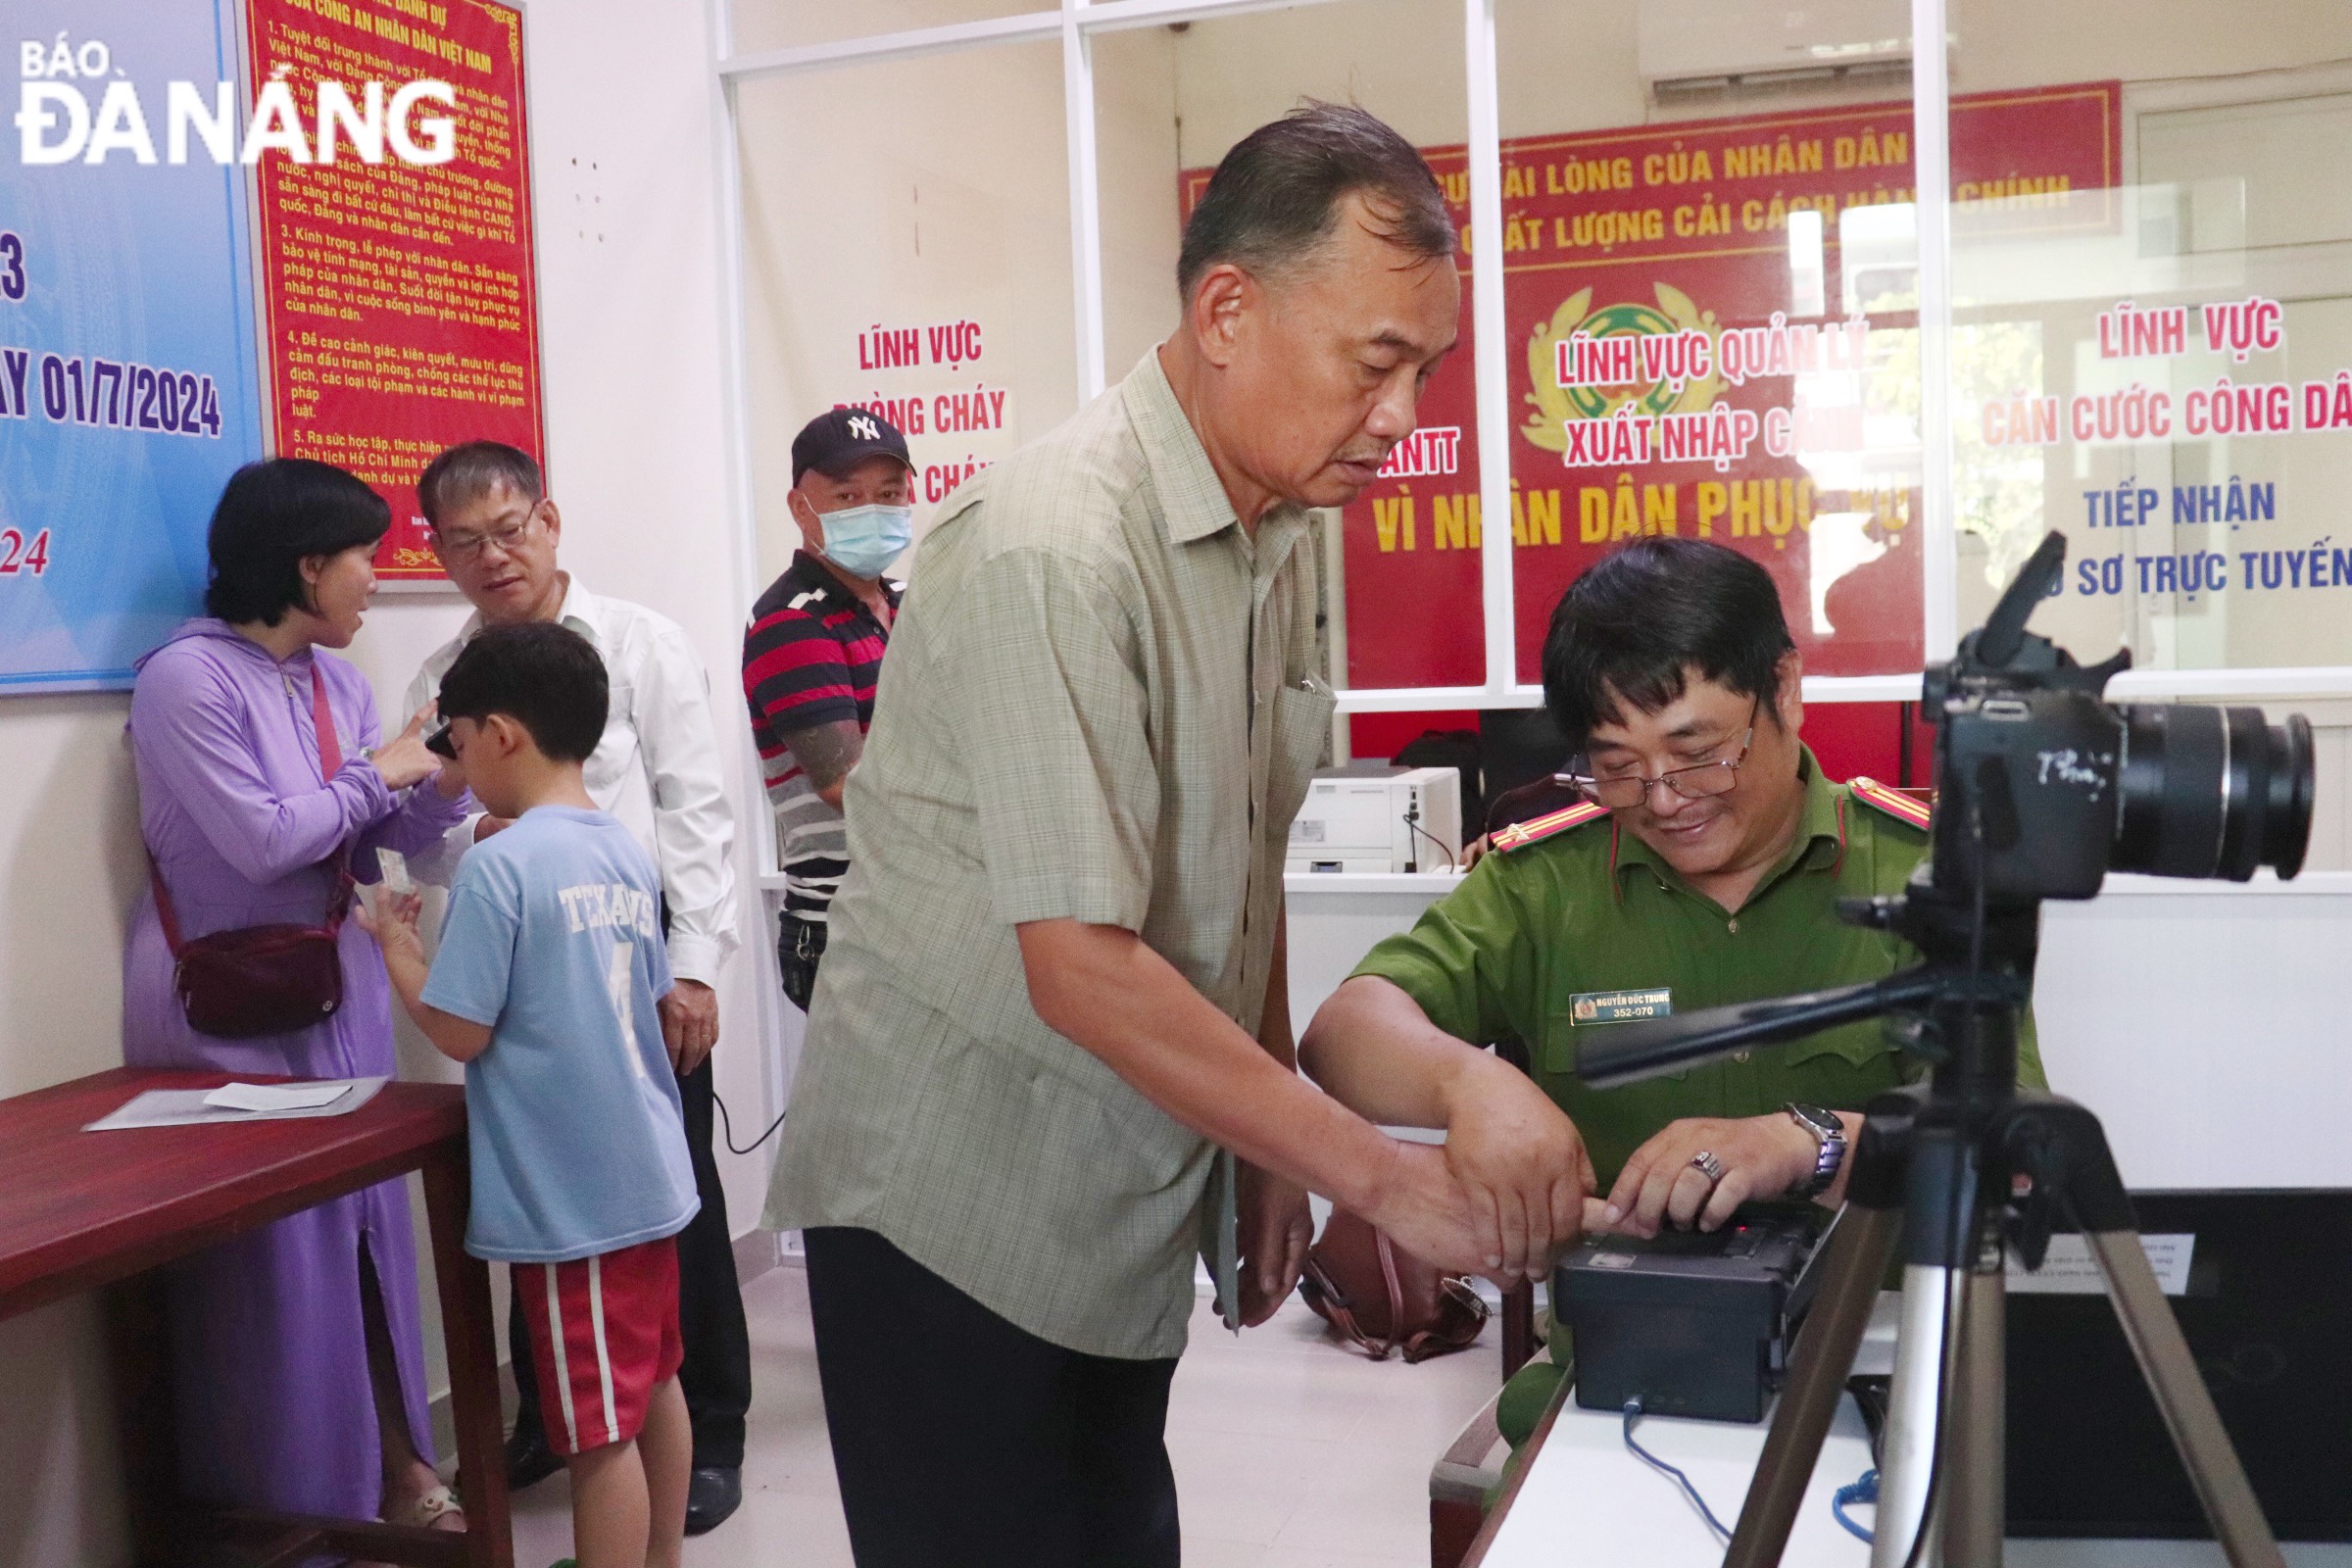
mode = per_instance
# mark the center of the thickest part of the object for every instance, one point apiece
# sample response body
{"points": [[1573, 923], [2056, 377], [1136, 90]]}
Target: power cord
{"points": [[1633, 1413], [1412, 819], [728, 1122], [1863, 1490]]}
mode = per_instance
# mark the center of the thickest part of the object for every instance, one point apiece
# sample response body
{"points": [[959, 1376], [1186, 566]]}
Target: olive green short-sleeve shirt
{"points": [[1590, 914], [1100, 705]]}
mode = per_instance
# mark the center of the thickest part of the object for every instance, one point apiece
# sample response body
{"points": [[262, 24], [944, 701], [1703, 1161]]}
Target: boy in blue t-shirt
{"points": [[549, 965]]}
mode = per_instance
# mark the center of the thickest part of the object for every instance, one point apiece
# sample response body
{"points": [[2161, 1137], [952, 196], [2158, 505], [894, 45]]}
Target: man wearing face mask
{"points": [[813, 652]]}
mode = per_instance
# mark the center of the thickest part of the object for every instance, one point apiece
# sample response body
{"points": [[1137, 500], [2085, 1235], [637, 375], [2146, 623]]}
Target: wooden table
{"points": [[82, 1211]]}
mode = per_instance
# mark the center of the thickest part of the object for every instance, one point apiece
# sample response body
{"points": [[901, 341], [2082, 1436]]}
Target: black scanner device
{"points": [[1691, 1323]]}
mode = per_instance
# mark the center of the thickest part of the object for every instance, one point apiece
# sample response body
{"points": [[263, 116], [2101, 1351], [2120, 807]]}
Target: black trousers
{"points": [[962, 1438], [716, 1376]]}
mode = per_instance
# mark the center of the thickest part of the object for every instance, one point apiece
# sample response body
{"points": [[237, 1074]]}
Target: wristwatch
{"points": [[1830, 1133]]}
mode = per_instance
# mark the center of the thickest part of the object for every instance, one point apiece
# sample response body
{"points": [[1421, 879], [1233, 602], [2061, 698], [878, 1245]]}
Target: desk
{"points": [[1582, 1499], [82, 1211]]}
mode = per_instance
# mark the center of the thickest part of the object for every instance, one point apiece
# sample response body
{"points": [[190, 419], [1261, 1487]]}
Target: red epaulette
{"points": [[1519, 835], [1905, 808]]}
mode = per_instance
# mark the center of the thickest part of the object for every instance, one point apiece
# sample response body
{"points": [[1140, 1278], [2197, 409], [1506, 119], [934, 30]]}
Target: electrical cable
{"points": [[1865, 1489], [730, 1124], [1633, 1413], [1452, 865]]}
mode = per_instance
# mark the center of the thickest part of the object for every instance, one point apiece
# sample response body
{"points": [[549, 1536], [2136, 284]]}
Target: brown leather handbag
{"points": [[264, 979], [1383, 1298]]}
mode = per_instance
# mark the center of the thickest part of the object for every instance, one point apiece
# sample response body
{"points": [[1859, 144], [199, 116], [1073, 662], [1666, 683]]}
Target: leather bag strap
{"points": [[1336, 1312], [331, 763]]}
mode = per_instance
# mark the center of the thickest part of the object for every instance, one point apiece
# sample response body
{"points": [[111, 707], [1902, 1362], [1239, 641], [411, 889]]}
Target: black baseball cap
{"points": [[834, 443]]}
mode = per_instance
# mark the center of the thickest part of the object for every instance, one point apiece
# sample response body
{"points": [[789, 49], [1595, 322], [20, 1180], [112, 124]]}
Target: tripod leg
{"points": [[1825, 1353], [1922, 1374], [2181, 1393], [1975, 1475]]}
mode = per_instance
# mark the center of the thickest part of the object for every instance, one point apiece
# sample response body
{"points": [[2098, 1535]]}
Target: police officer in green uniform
{"points": [[1705, 868]]}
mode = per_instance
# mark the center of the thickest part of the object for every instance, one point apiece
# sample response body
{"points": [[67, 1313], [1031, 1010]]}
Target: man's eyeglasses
{"points": [[469, 546], [1694, 783]]}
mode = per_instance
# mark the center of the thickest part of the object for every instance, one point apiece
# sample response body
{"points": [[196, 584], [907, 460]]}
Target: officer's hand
{"points": [[1762, 1157], [1276, 1229], [1522, 1164]]}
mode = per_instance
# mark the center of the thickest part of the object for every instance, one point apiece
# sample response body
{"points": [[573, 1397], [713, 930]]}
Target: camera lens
{"points": [[2212, 791]]}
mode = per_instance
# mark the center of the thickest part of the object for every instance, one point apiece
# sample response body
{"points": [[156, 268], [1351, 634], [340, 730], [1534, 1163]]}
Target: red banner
{"points": [[398, 299], [1709, 341]]}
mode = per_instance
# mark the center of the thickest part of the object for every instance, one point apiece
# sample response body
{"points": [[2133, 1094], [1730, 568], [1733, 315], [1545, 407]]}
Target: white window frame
{"points": [[1076, 24]]}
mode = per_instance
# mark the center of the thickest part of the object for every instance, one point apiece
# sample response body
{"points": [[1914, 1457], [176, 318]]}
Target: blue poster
{"points": [[128, 380]]}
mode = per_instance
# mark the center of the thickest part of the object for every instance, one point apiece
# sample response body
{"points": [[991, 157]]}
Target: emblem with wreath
{"points": [[1556, 404]]}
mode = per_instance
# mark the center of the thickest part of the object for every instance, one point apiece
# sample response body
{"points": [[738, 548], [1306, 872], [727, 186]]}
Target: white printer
{"points": [[1372, 816]]}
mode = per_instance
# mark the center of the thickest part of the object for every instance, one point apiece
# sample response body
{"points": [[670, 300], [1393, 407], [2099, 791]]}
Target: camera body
{"points": [[2033, 776], [2043, 787]]}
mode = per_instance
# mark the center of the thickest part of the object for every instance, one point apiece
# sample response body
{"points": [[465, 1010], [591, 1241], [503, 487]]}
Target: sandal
{"points": [[424, 1511]]}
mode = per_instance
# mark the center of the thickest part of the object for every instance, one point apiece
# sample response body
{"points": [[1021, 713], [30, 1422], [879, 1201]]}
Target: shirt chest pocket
{"points": [[1565, 1036], [1841, 1066], [1302, 723]]}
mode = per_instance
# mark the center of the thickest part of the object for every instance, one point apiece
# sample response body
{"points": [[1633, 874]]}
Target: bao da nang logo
{"points": [[74, 107]]}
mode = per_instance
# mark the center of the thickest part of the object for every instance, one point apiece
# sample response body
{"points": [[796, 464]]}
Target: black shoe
{"points": [[529, 1461], [712, 1494]]}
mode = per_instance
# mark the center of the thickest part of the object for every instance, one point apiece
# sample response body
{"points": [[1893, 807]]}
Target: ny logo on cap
{"points": [[864, 430]]}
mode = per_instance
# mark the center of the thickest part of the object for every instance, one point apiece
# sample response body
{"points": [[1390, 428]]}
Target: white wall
{"points": [[623, 151]]}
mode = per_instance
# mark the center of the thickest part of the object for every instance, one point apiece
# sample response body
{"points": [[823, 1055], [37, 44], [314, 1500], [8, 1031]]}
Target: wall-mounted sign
{"points": [[127, 382], [400, 301]]}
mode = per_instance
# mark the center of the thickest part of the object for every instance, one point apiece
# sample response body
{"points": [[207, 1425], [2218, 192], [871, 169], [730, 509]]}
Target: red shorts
{"points": [[604, 1335]]}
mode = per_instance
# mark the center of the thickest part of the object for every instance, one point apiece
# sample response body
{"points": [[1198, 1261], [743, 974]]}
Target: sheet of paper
{"points": [[277, 1096], [2069, 1269], [186, 1107], [395, 866]]}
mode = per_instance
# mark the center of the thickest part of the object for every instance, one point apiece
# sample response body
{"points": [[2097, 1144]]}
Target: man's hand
{"points": [[1275, 1232], [1762, 1157], [1522, 1163], [689, 1024]]}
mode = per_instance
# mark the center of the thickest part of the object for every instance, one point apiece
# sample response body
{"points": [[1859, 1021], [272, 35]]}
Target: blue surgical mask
{"points": [[862, 540]]}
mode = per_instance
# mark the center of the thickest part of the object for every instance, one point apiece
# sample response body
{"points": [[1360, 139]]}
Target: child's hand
{"points": [[391, 919]]}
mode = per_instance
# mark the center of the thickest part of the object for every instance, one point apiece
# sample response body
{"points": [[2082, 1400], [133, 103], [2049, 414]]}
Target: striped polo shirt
{"points": [[811, 657]]}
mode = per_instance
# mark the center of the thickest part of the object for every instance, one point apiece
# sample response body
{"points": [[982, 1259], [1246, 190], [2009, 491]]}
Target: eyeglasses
{"points": [[455, 547], [1695, 783]]}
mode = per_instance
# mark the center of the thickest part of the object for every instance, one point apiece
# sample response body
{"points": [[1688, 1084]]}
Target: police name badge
{"points": [[1619, 1007]]}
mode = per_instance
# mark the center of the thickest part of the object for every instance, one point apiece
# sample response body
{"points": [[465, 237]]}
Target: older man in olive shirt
{"points": [[1055, 983]]}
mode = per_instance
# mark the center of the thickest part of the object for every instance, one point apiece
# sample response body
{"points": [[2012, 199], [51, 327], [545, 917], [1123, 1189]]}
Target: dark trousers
{"points": [[800, 944], [962, 1438], [717, 1377]]}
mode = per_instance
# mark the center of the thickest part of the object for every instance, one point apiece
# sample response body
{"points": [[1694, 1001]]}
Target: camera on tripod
{"points": [[2043, 787]]}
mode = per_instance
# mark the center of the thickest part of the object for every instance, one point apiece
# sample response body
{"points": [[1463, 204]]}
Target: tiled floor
{"points": [[1290, 1452]]}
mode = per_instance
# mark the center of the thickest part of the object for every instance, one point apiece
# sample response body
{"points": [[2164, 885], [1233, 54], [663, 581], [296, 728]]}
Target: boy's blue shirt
{"points": [[554, 940]]}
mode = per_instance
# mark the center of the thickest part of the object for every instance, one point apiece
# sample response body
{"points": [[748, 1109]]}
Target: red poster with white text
{"points": [[1666, 377], [400, 305]]}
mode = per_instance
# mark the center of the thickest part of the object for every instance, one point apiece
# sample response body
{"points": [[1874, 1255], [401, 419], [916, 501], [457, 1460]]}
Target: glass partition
{"points": [[760, 25], [1712, 305], [906, 249], [2153, 331], [1404, 606]]}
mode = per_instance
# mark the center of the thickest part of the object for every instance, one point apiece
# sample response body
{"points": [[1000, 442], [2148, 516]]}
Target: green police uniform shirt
{"points": [[1554, 938]]}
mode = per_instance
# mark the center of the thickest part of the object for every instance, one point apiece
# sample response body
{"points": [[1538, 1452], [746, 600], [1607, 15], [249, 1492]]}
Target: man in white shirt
{"points": [[657, 771]]}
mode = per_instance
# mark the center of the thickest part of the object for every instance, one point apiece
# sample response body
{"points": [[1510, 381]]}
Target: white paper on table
{"points": [[186, 1107], [2069, 1269], [278, 1097]]}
